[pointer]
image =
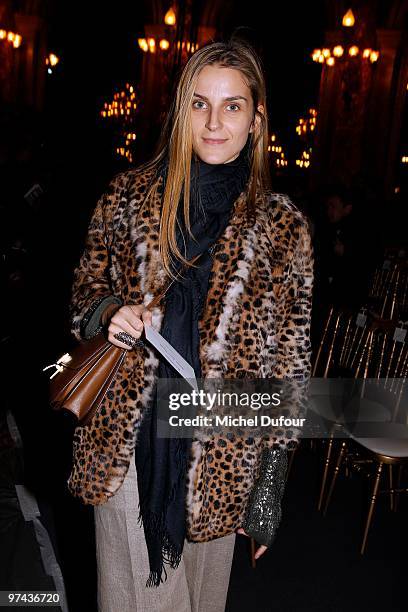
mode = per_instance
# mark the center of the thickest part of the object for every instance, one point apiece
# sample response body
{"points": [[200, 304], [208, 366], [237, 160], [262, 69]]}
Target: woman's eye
{"points": [[199, 104]]}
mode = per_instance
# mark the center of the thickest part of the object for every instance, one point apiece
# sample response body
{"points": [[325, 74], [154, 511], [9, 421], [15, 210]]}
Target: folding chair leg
{"points": [[325, 472], [396, 500], [371, 508], [336, 471]]}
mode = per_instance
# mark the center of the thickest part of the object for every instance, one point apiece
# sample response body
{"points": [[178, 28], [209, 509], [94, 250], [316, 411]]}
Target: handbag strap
{"points": [[156, 300]]}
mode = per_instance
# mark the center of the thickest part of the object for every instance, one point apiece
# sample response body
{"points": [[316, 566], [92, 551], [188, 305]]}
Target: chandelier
{"points": [[162, 38], [51, 61], [11, 37], [346, 48], [122, 111], [304, 160], [278, 155], [307, 124]]}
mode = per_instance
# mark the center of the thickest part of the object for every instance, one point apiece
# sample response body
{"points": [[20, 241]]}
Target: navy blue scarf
{"points": [[161, 463]]}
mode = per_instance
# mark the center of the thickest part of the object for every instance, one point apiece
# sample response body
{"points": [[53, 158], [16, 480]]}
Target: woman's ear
{"points": [[257, 118]]}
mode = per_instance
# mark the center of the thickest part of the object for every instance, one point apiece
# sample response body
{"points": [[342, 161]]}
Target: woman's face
{"points": [[222, 114]]}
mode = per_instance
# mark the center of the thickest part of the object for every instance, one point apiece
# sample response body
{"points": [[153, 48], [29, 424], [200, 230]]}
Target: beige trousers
{"points": [[199, 584]]}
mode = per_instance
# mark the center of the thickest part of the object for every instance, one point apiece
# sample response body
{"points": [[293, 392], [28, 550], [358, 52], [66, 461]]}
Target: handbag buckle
{"points": [[59, 364]]}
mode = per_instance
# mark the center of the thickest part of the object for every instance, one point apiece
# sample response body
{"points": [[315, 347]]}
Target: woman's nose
{"points": [[213, 122]]}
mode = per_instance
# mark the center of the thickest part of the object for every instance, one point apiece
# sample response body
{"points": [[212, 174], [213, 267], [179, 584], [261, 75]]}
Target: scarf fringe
{"points": [[153, 524], [170, 557]]}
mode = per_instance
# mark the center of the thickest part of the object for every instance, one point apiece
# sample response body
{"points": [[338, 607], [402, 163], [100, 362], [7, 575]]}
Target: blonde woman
{"points": [[167, 511]]}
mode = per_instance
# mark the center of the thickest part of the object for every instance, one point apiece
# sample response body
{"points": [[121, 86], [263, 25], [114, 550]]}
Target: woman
{"points": [[241, 309]]}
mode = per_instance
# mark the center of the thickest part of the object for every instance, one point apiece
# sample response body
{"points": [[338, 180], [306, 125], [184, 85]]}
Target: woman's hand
{"points": [[128, 319], [260, 551]]}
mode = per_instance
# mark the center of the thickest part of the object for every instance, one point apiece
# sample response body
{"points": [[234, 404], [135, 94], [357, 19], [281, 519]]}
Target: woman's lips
{"points": [[213, 141]]}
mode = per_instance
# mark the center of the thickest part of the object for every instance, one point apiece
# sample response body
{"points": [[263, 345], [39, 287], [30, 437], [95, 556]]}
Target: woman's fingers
{"points": [[128, 319], [132, 316], [123, 325], [138, 315], [242, 532], [147, 316], [260, 551]]}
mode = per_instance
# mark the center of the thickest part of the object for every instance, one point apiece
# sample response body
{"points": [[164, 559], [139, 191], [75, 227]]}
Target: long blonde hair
{"points": [[176, 139]]}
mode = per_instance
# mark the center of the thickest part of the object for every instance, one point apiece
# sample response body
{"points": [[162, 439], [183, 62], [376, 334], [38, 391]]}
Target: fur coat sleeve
{"points": [[92, 289]]}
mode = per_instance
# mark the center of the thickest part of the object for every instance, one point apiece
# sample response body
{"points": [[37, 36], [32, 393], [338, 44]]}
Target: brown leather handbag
{"points": [[82, 378]]}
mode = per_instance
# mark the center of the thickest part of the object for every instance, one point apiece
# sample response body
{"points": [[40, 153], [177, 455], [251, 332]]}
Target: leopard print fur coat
{"points": [[256, 323]]}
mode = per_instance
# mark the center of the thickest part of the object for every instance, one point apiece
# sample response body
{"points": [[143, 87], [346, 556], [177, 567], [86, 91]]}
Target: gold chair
{"points": [[391, 451], [343, 343], [388, 293], [384, 358]]}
